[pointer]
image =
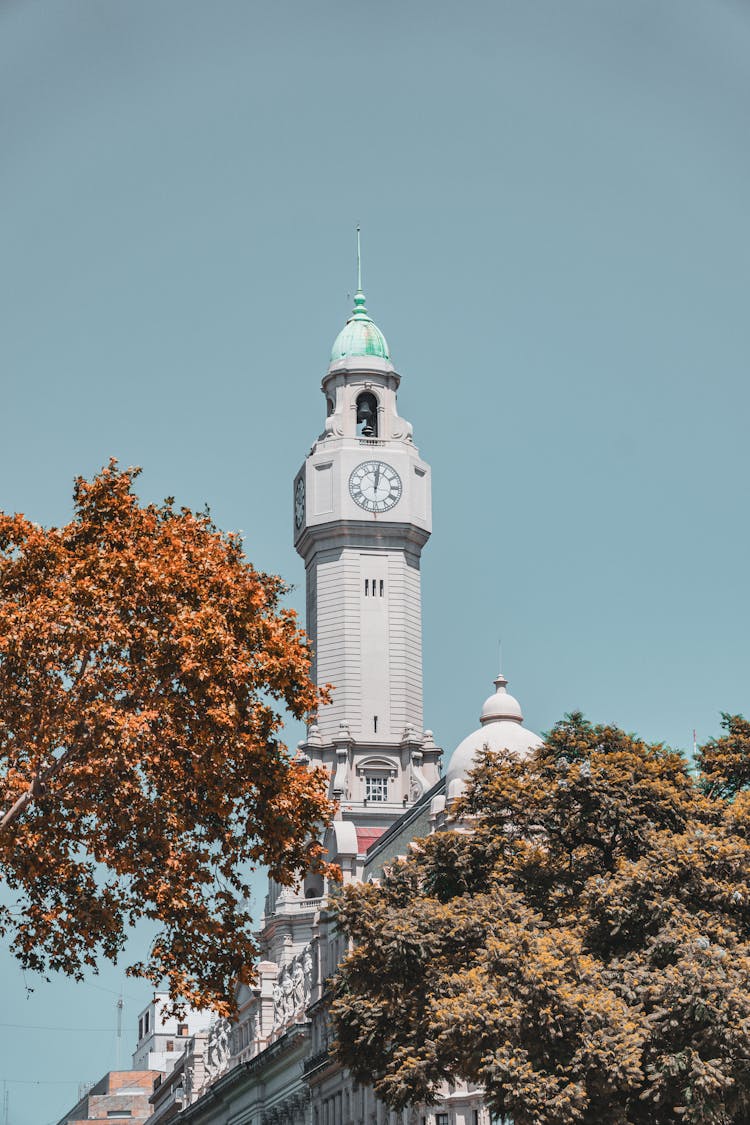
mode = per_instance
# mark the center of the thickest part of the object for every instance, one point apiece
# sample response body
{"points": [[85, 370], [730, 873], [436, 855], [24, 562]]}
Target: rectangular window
{"points": [[182, 1029], [367, 586], [382, 587], [170, 1046], [441, 1119], [140, 1028], [376, 788], [146, 1022], [375, 724]]}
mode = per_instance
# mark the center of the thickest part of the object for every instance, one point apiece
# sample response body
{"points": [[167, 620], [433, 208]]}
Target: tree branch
{"points": [[38, 784], [40, 778]]}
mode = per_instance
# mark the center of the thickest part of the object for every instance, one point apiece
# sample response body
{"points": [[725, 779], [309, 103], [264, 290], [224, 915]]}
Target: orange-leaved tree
{"points": [[582, 951], [144, 668]]}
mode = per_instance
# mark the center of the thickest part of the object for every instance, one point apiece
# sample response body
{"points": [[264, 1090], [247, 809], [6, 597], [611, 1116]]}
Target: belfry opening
{"points": [[367, 415]]}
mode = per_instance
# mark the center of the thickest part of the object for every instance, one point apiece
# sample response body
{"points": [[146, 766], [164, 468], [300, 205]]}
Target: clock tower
{"points": [[362, 515]]}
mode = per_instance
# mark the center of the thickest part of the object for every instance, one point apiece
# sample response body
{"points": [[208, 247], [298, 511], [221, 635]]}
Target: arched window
{"points": [[313, 886], [367, 415]]}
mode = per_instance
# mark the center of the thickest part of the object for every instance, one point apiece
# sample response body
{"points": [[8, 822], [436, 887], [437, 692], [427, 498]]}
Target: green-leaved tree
{"points": [[582, 951]]}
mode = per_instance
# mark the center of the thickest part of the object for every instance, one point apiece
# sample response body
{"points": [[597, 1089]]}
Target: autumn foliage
{"points": [[144, 667], [581, 949]]}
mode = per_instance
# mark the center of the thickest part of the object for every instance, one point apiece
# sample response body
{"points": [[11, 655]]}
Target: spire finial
{"points": [[500, 681], [359, 312]]}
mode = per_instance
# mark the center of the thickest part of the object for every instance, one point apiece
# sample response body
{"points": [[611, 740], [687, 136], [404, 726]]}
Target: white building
{"points": [[162, 1039], [361, 517]]}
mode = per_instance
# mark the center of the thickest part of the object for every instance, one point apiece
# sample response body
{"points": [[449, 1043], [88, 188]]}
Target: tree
{"points": [[143, 665], [582, 952], [725, 762]]}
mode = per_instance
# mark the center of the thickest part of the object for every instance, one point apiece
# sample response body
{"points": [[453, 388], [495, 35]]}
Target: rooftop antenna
{"points": [[119, 1007], [359, 262]]}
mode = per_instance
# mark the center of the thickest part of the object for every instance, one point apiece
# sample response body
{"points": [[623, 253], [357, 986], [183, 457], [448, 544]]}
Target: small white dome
{"points": [[501, 705], [501, 729]]}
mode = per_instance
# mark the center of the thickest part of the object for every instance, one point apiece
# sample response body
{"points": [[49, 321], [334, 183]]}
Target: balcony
{"points": [[302, 905], [315, 1062]]}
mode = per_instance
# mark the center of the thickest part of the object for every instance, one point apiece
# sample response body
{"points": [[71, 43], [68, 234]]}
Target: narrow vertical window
{"points": [[367, 586], [382, 587], [375, 724]]}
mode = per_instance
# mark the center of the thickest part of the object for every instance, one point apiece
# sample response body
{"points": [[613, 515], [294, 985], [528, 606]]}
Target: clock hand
{"points": [[377, 477]]}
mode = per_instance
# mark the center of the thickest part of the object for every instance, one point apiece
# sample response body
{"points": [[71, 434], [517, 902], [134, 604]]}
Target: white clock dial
{"points": [[375, 486], [299, 503]]}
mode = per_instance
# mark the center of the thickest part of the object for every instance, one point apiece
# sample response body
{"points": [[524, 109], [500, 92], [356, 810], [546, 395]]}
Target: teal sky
{"points": [[556, 236]]}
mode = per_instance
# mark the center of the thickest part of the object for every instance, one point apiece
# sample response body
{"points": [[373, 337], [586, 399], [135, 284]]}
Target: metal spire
{"points": [[359, 312], [359, 263]]}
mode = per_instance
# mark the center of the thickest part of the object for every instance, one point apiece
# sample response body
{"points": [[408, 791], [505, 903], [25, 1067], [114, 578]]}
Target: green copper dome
{"points": [[360, 335]]}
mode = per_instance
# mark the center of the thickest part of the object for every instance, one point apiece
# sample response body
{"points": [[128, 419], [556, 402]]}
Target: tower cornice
{"points": [[368, 535], [362, 366]]}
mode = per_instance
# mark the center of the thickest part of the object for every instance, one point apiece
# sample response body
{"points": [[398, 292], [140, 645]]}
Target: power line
{"points": [[42, 1027], [88, 984], [112, 991], [40, 1081]]}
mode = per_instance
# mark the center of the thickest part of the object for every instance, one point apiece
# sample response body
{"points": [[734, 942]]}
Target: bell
{"points": [[366, 416]]}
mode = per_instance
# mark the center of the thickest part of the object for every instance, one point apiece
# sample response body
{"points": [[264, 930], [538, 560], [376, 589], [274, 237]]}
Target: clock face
{"points": [[299, 503], [375, 486]]}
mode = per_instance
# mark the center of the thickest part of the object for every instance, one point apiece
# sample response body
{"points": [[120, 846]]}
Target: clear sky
{"points": [[556, 236]]}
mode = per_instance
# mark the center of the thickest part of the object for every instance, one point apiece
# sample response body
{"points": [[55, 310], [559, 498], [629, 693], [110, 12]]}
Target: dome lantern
{"points": [[501, 729], [501, 705]]}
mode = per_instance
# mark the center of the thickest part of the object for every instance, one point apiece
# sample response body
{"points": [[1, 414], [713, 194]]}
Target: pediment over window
{"points": [[377, 763]]}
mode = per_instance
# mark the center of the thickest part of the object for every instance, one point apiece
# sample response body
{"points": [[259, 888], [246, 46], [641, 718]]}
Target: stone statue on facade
{"points": [[278, 1006], [188, 1073], [298, 985], [287, 987], [218, 1049], [307, 968]]}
